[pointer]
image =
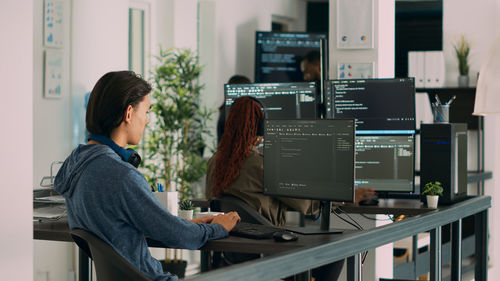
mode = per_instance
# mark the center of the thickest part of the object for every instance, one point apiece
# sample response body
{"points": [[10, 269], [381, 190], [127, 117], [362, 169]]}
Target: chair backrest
{"points": [[109, 265], [228, 203]]}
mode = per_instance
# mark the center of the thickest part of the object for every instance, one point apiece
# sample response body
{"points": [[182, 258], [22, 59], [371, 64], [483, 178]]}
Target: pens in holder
{"points": [[438, 101], [451, 100]]}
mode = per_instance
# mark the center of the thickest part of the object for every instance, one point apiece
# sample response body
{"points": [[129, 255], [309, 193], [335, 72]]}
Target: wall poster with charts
{"points": [[53, 24], [53, 76], [355, 24], [355, 70]]}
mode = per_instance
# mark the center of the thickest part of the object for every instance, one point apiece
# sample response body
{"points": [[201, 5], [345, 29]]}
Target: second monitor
{"points": [[280, 100]]}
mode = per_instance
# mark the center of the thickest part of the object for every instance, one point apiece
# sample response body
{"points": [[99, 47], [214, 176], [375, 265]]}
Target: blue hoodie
{"points": [[112, 199]]}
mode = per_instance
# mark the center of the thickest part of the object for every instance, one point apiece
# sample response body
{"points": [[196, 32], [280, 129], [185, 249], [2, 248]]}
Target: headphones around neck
{"points": [[128, 155]]}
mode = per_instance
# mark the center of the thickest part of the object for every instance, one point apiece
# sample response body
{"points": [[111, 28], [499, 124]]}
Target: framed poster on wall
{"points": [[53, 23], [355, 70], [53, 74], [355, 24]]}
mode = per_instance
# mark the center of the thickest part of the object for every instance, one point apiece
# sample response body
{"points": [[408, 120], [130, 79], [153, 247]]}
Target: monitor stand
{"points": [[324, 227]]}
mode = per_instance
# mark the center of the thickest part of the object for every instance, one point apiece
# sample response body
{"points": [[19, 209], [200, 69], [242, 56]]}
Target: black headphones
{"points": [[127, 155], [260, 122]]}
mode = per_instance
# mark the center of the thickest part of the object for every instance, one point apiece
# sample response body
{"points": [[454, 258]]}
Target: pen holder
{"points": [[169, 200], [441, 113]]}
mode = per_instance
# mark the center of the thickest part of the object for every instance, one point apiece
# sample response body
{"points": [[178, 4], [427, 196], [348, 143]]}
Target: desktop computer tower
{"points": [[443, 158]]}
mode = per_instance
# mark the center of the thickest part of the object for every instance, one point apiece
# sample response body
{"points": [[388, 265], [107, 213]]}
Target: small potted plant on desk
{"points": [[433, 190], [178, 265], [186, 209]]}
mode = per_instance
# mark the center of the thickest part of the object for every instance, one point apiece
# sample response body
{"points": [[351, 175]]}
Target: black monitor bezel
{"points": [[333, 199]]}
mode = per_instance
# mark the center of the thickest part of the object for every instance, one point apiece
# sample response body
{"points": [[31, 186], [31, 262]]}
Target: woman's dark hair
{"points": [[237, 141], [109, 100], [238, 79]]}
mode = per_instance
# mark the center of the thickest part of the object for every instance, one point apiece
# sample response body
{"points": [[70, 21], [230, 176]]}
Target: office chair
{"points": [[109, 265], [228, 203]]}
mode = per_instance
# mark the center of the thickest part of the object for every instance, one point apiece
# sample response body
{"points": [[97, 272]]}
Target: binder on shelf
{"points": [[434, 69], [427, 67], [416, 65]]}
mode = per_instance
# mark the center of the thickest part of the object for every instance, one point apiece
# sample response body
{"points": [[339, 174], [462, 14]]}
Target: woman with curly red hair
{"points": [[237, 167]]}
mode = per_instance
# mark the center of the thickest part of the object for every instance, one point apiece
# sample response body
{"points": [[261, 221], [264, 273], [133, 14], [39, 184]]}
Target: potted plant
{"points": [[462, 49], [174, 140], [433, 190], [186, 209]]}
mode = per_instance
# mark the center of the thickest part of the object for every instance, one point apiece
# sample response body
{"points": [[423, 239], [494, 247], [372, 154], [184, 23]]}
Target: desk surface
{"points": [[58, 230]]}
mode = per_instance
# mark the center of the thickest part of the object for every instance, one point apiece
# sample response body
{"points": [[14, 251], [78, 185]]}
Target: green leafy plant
{"points": [[462, 49], [174, 140], [433, 188], [186, 205]]}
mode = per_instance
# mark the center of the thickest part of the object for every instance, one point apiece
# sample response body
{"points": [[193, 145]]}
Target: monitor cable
{"points": [[353, 223]]}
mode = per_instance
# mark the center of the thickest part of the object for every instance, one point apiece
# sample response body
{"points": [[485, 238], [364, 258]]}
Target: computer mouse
{"points": [[368, 202], [284, 236]]}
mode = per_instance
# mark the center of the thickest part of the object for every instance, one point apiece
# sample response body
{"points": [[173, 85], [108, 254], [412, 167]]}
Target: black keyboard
{"points": [[254, 231]]}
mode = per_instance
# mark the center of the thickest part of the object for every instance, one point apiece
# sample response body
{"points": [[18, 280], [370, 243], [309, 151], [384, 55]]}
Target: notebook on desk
{"points": [[51, 212]]}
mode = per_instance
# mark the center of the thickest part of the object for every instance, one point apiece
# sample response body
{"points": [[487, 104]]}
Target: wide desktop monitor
{"points": [[385, 162], [384, 110], [379, 105], [310, 159], [278, 54], [280, 100]]}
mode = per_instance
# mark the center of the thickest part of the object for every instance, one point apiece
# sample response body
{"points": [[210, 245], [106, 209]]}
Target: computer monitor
{"points": [[280, 100], [310, 159], [379, 105], [278, 54], [385, 129], [385, 162]]}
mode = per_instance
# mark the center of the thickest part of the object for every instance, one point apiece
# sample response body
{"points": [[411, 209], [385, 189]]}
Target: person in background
{"points": [[235, 79], [105, 193], [237, 169], [311, 67]]}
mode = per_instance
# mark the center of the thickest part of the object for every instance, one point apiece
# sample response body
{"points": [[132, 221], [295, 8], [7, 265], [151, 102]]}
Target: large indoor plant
{"points": [[462, 49], [174, 141]]}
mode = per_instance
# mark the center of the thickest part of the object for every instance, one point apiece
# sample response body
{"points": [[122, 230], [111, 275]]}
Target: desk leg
{"points": [[456, 250], [84, 266], [414, 255], [435, 259], [304, 276], [354, 268], [205, 261], [481, 255]]}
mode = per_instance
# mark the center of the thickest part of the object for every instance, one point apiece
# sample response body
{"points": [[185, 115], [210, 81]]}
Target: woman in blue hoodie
{"points": [[106, 194]]}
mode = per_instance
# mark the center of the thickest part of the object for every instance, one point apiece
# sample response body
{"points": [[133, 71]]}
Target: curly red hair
{"points": [[239, 136]]}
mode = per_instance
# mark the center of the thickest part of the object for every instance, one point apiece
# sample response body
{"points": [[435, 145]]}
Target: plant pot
{"points": [[432, 201], [175, 267], [169, 200], [463, 81], [186, 214]]}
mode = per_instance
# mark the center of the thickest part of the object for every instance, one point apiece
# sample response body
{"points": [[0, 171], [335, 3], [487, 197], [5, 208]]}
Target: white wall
{"points": [[479, 30], [383, 33], [230, 48], [479, 21], [16, 127]]}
